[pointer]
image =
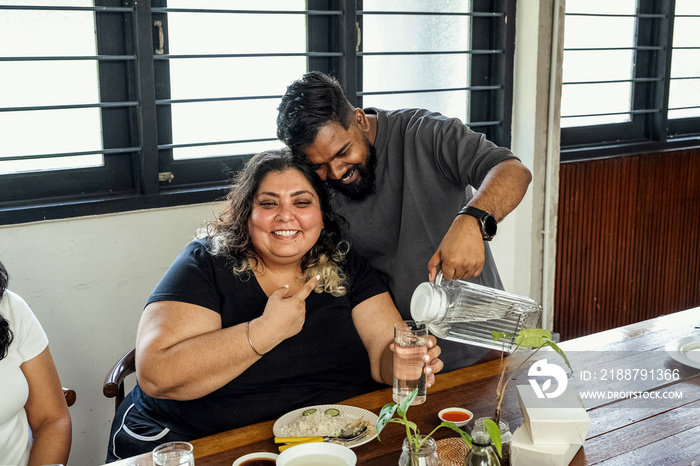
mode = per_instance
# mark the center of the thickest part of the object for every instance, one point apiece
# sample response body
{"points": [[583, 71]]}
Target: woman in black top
{"points": [[269, 311]]}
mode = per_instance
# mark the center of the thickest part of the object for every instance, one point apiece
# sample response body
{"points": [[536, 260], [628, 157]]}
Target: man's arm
{"points": [[461, 251]]}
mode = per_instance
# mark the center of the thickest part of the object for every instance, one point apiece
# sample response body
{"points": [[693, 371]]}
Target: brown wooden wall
{"points": [[628, 240]]}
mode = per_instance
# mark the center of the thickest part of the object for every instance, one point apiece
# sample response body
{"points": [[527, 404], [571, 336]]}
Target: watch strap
{"points": [[487, 222], [473, 211]]}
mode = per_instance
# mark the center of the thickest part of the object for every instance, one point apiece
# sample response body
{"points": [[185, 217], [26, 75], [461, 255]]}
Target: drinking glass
{"points": [[410, 346], [173, 454]]}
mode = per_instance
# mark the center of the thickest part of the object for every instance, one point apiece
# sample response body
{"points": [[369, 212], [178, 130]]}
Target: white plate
{"points": [[685, 350], [349, 411]]}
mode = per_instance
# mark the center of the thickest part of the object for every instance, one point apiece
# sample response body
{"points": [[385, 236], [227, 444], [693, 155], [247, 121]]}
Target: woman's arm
{"points": [[47, 411], [374, 320], [183, 353]]}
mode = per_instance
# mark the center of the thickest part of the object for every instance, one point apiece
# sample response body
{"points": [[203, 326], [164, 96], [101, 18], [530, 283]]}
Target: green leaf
{"points": [[533, 337], [385, 416], [412, 433], [554, 346], [406, 403], [495, 434], [409, 424], [530, 332], [465, 436], [500, 335]]}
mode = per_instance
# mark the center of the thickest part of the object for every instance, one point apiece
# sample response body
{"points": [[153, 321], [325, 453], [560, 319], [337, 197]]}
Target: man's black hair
{"points": [[310, 103]]}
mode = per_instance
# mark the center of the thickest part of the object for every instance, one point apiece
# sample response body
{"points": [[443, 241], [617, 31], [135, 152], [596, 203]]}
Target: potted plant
{"points": [[418, 449], [536, 338], [415, 442], [532, 338]]}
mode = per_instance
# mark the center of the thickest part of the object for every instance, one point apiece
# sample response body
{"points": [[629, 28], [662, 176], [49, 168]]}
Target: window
{"points": [[115, 105], [631, 75], [462, 71]]}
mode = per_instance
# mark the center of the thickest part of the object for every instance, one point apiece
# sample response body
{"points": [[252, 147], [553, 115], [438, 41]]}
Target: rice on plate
{"points": [[320, 424]]}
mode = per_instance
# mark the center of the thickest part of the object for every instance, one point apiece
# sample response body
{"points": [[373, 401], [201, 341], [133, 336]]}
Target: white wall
{"points": [[87, 280], [535, 139]]}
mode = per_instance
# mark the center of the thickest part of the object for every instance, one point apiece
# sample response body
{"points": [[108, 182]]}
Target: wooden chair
{"points": [[69, 396], [113, 386]]}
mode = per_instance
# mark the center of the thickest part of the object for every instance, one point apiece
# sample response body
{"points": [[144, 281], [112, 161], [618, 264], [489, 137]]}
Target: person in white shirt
{"points": [[35, 424]]}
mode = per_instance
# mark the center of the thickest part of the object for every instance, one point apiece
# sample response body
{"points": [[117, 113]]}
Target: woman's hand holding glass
{"points": [[433, 364], [431, 357]]}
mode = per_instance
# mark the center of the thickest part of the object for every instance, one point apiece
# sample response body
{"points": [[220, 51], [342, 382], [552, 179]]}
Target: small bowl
{"points": [[321, 452], [459, 416], [260, 455]]}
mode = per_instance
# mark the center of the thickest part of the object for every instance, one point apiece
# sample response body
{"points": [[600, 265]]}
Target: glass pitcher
{"points": [[465, 312]]}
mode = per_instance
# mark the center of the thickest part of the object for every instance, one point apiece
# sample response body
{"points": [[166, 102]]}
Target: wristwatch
{"points": [[487, 223]]}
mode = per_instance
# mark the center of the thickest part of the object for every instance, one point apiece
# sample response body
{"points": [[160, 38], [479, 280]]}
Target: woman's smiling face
{"points": [[286, 219]]}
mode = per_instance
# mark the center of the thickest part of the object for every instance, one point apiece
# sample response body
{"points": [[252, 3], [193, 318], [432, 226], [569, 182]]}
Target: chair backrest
{"points": [[69, 395], [113, 386]]}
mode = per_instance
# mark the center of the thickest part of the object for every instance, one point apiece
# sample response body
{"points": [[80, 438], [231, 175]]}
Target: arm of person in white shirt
{"points": [[47, 411]]}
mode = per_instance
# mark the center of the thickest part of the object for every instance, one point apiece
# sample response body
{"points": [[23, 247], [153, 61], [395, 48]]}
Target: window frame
{"points": [[650, 129], [135, 107]]}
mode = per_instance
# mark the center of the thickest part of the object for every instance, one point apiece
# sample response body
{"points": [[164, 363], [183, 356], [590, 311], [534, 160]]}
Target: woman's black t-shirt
{"points": [[325, 363]]}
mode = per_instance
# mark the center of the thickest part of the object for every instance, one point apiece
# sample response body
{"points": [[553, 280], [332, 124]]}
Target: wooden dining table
{"points": [[640, 428]]}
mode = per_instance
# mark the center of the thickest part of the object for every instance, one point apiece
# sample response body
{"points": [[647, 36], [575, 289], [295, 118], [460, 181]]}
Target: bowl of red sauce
{"points": [[459, 416]]}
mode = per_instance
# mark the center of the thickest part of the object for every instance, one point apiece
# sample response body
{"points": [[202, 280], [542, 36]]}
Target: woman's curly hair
{"points": [[5, 332], [230, 236]]}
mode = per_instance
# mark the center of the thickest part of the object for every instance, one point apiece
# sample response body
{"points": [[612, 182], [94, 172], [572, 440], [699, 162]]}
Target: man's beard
{"points": [[360, 189]]}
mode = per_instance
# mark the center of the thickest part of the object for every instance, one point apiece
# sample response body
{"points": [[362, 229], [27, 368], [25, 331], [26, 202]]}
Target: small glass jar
{"points": [[426, 456], [481, 453], [506, 438]]}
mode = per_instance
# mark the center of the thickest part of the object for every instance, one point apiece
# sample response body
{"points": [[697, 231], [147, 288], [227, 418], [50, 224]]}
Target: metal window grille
{"points": [[647, 122], [143, 160]]}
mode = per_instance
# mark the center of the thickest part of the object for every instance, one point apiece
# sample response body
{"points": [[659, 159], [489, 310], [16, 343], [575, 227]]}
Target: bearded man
{"points": [[406, 179]]}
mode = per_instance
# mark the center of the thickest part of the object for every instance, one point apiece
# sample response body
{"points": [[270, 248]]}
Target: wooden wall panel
{"points": [[628, 240]]}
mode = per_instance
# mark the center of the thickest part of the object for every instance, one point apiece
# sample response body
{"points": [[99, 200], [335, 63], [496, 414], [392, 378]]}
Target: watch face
{"points": [[487, 222], [490, 225]]}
